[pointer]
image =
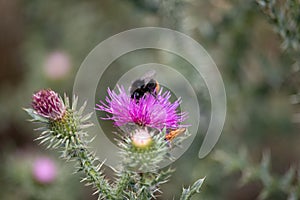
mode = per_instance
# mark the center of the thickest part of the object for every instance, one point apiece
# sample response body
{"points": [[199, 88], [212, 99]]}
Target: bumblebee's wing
{"points": [[138, 83], [148, 76]]}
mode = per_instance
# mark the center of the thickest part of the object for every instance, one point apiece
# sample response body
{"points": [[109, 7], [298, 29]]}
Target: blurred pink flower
{"points": [[57, 65], [44, 170]]}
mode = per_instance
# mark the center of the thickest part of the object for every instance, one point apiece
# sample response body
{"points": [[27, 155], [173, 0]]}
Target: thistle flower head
{"points": [[141, 138], [48, 104], [44, 170], [151, 111]]}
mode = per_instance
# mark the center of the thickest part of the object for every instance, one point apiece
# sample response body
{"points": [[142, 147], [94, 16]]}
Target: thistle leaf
{"points": [[190, 191], [34, 116]]}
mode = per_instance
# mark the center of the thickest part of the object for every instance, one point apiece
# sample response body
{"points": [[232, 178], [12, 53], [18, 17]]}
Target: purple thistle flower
{"points": [[156, 112], [48, 104], [44, 170]]}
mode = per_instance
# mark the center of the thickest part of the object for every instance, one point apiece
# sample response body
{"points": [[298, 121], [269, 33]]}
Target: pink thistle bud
{"points": [[48, 104], [44, 170]]}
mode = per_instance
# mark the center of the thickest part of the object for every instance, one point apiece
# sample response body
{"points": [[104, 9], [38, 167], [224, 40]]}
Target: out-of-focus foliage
{"points": [[18, 181], [273, 187], [286, 18]]}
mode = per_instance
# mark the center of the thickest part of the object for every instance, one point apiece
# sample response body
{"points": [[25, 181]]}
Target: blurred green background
{"points": [[42, 44]]}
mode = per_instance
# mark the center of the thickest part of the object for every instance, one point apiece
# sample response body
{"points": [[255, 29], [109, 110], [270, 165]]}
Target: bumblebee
{"points": [[145, 85], [148, 85]]}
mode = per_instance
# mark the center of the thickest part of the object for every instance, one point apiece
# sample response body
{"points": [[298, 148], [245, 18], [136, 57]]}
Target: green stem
{"points": [[123, 184], [70, 137], [86, 161]]}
